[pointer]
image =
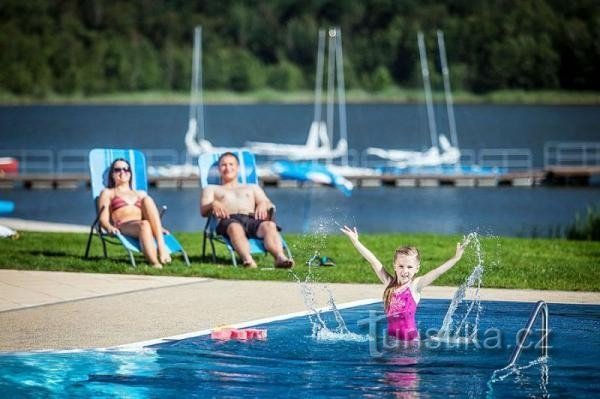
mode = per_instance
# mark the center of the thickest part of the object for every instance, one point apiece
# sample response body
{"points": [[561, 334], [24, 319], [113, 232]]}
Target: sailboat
{"points": [[195, 140], [318, 142], [442, 151]]}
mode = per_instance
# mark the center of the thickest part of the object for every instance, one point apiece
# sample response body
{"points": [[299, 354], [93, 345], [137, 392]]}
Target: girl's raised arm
{"points": [[352, 234], [443, 268]]}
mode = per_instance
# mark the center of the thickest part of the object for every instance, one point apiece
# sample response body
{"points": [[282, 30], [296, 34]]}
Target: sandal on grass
{"points": [[326, 261]]}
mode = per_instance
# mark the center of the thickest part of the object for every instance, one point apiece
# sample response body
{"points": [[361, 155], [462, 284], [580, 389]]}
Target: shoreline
{"points": [[267, 96]]}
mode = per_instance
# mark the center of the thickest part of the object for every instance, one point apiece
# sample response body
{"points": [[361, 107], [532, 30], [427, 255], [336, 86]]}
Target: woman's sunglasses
{"points": [[119, 170]]}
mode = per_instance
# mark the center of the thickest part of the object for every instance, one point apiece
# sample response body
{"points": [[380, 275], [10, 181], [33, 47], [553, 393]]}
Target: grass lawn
{"points": [[552, 264]]}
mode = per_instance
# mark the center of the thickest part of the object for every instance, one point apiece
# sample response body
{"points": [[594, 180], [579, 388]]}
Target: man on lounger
{"points": [[243, 212]]}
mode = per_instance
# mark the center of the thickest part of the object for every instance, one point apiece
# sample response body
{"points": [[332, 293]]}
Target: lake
{"points": [[511, 211]]}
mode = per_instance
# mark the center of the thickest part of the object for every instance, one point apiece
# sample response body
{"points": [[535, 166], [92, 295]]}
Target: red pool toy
{"points": [[226, 334]]}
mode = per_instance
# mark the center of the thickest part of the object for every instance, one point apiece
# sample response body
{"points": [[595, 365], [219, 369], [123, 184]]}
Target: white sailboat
{"points": [[442, 151], [195, 140], [318, 143]]}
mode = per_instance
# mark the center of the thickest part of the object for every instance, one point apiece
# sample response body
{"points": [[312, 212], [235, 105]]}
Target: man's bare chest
{"points": [[236, 195]]}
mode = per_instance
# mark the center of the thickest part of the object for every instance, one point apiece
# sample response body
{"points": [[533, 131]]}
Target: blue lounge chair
{"points": [[247, 174], [100, 161]]}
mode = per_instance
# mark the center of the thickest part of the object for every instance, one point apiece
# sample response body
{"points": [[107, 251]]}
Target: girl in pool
{"points": [[133, 213], [403, 290]]}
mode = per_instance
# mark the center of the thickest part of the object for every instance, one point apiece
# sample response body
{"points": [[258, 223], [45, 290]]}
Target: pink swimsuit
{"points": [[401, 315]]}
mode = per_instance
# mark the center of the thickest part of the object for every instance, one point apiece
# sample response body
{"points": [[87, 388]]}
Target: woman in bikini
{"points": [[133, 213]]}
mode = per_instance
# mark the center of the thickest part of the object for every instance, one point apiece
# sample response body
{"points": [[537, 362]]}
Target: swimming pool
{"points": [[291, 362]]}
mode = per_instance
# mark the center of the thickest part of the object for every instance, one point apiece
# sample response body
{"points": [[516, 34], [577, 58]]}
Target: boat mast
{"points": [[447, 89], [341, 93], [330, 81], [196, 101], [427, 84], [319, 79]]}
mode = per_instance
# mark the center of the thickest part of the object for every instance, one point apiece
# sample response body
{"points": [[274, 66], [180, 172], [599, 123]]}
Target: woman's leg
{"points": [[150, 213], [240, 243], [142, 230]]}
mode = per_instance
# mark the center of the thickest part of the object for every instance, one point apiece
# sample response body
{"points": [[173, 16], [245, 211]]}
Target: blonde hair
{"points": [[401, 251]]}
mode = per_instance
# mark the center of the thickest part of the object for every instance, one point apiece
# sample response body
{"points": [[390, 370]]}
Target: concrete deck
{"points": [[38, 225], [56, 310]]}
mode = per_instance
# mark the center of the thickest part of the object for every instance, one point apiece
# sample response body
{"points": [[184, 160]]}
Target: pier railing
{"points": [[571, 154], [75, 161], [510, 159], [32, 161], [556, 154]]}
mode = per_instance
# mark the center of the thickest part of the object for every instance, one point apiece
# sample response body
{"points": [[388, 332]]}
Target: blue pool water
{"points": [[293, 363]]}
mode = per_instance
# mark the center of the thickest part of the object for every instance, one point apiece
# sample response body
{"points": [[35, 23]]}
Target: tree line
{"points": [[103, 46]]}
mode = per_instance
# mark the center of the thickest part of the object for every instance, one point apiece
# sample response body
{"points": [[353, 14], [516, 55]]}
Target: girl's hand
{"points": [[351, 233], [112, 230]]}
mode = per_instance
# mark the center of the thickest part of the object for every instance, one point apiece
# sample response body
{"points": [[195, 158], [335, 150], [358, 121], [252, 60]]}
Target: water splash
{"points": [[320, 330], [309, 288], [464, 331], [518, 376]]}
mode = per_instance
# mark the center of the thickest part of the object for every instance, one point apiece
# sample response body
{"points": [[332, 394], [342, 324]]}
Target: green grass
{"points": [[390, 95], [552, 264]]}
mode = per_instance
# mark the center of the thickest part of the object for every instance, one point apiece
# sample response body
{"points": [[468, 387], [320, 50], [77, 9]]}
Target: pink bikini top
{"points": [[119, 202], [401, 314]]}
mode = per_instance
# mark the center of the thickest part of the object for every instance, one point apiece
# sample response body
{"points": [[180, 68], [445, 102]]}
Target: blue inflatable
{"points": [[308, 171], [6, 207]]}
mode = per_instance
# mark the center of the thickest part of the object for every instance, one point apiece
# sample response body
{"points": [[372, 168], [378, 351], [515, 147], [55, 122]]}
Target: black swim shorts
{"points": [[248, 222]]}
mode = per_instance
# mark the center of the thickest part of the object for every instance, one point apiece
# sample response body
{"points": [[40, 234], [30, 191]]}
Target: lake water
{"points": [[509, 211], [378, 125], [501, 210]]}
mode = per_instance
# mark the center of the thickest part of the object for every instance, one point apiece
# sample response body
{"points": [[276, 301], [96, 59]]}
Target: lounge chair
{"points": [[209, 174], [100, 161]]}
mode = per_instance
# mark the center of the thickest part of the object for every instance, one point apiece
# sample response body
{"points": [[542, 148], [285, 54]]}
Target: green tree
{"points": [[246, 72], [145, 67], [382, 79], [66, 71], [97, 46], [285, 76]]}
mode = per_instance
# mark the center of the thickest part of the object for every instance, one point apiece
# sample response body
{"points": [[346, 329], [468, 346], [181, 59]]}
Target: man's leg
{"points": [[267, 231], [240, 243]]}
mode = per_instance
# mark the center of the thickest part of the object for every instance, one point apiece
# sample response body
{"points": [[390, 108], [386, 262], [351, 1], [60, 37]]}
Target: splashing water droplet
{"points": [[463, 330], [308, 289]]}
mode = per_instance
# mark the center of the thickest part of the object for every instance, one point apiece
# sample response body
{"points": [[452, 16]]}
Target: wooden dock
{"points": [[521, 179]]}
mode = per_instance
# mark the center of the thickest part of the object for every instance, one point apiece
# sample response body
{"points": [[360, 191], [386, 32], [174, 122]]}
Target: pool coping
{"points": [[245, 324], [126, 310]]}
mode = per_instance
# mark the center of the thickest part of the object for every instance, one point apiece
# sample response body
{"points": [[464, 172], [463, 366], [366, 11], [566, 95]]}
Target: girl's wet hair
{"points": [[407, 251], [111, 180], [402, 251]]}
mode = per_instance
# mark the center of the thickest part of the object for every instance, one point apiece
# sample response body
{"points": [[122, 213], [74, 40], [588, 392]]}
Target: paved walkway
{"points": [[36, 225], [57, 310]]}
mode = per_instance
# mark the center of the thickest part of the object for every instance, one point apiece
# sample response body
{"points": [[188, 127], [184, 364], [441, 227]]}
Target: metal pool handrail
{"points": [[542, 307]]}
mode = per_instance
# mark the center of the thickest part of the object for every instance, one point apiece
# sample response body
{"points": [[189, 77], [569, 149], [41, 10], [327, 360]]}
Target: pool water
{"points": [[294, 363]]}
